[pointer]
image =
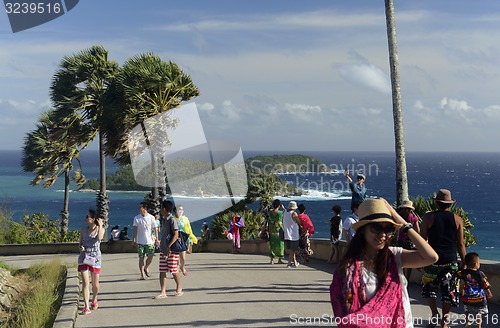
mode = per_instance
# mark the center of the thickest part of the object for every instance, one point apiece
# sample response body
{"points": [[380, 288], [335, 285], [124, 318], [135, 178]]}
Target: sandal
{"points": [[85, 311], [157, 297], [146, 272], [94, 305], [184, 271], [179, 293]]}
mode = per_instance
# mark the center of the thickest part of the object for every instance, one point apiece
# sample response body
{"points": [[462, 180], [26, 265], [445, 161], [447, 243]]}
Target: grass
{"points": [[38, 308]]}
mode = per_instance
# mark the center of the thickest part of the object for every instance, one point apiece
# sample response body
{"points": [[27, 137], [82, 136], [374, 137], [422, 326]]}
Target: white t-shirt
{"points": [[348, 222], [145, 226], [371, 282], [290, 227]]}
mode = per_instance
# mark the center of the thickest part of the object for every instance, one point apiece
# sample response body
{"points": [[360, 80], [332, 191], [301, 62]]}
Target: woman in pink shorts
{"points": [[90, 258]]}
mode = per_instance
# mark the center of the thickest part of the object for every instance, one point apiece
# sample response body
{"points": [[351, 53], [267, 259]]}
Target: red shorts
{"points": [[85, 267], [170, 263]]}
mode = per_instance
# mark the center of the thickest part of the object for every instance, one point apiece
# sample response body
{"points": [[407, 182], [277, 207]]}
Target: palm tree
{"points": [[401, 177], [80, 85], [145, 87], [49, 152]]}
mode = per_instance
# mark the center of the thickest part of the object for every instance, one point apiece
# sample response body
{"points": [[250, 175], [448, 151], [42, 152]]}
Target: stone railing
{"points": [[321, 248]]}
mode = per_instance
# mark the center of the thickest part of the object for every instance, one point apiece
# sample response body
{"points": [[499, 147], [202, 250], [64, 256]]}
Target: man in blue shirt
{"points": [[358, 189]]}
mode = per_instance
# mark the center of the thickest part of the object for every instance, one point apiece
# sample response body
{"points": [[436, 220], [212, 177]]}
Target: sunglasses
{"points": [[376, 228]]}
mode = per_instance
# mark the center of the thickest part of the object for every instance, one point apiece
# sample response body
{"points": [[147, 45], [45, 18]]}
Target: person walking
{"points": [[335, 233], [306, 231], [358, 189], [89, 260], [368, 286], [236, 222], [291, 227], [276, 245], [444, 231], [144, 229], [169, 260], [186, 232]]}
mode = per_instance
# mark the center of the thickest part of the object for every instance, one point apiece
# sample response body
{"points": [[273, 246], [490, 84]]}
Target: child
{"points": [[475, 290], [335, 233]]}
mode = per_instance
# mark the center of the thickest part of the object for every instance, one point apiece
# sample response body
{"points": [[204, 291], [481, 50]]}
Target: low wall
{"points": [[321, 248]]}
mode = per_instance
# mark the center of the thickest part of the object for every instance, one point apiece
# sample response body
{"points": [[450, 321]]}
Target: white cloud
{"points": [[206, 107], [368, 76], [325, 19]]}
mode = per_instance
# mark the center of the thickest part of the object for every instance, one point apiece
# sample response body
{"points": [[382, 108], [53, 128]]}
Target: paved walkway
{"points": [[220, 290]]}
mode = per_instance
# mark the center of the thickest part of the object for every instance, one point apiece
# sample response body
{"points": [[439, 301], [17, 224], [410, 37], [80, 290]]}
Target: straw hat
{"points": [[373, 210], [444, 196], [407, 204], [292, 205]]}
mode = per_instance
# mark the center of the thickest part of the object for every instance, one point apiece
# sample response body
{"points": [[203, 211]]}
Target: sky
{"points": [[290, 75]]}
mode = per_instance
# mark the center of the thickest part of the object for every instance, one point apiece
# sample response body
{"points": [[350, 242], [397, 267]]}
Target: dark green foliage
{"points": [[423, 205], [123, 179], [253, 222], [34, 229]]}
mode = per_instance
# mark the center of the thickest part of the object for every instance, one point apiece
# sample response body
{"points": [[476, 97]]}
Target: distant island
{"points": [[189, 182]]}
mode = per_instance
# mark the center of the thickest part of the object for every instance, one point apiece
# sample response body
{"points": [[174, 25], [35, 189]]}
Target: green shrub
{"points": [[34, 229], [253, 222]]}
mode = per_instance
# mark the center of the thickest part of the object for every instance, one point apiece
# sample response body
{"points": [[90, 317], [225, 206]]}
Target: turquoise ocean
{"points": [[471, 177]]}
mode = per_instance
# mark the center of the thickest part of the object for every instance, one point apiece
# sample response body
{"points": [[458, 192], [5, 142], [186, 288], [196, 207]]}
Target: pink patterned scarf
{"points": [[347, 295]]}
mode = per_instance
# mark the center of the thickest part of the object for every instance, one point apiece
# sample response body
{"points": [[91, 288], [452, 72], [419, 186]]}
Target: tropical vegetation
{"points": [[36, 228], [93, 96], [50, 150]]}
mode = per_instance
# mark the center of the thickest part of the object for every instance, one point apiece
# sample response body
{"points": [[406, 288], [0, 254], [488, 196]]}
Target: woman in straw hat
{"points": [[368, 287], [406, 211]]}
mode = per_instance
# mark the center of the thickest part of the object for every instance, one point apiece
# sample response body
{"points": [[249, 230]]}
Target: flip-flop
{"points": [[147, 273], [179, 293], [184, 271], [142, 278], [157, 297]]}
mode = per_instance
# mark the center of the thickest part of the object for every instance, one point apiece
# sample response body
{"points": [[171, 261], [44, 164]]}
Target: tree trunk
{"points": [[401, 177], [65, 211], [102, 197]]}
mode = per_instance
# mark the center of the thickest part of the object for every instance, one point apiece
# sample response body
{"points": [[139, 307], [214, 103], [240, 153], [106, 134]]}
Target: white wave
{"points": [[333, 172]]}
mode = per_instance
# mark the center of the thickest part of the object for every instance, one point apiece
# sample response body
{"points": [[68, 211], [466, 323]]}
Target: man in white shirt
{"points": [[347, 229], [144, 229]]}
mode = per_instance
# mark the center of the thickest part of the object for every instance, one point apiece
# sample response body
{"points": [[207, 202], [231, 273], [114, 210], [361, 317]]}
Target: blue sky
{"points": [[286, 75]]}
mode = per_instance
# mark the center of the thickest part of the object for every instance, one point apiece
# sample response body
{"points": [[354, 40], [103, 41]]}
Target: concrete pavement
{"points": [[220, 290]]}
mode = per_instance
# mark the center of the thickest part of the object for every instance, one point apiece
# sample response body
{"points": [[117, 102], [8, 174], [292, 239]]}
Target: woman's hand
{"points": [[100, 222], [395, 215]]}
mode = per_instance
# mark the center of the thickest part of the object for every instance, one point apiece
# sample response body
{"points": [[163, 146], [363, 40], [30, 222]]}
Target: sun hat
{"points": [[444, 196], [373, 210], [407, 204], [292, 205], [361, 175]]}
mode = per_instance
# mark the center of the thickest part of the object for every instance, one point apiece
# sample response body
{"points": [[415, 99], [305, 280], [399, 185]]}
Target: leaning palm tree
{"points": [[145, 87], [401, 177], [49, 151], [80, 85]]}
